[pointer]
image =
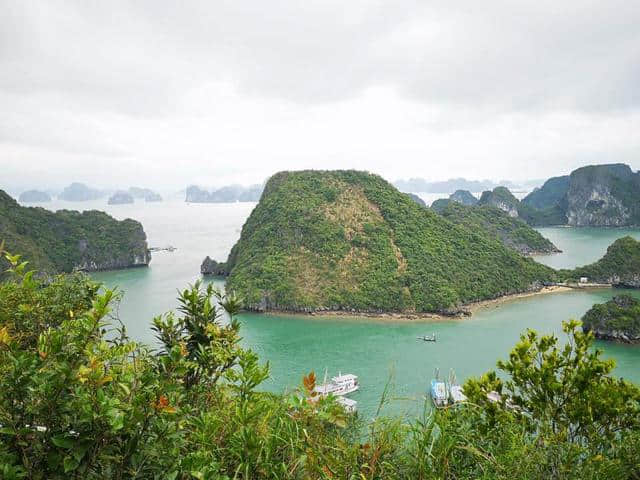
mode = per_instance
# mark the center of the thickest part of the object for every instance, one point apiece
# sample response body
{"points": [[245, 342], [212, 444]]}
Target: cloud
{"points": [[230, 89]]}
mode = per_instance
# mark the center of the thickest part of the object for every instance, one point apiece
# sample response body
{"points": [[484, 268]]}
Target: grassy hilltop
{"points": [[350, 240]]}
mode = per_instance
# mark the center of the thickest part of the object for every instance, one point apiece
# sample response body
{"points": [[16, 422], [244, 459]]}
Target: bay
{"points": [[377, 351]]}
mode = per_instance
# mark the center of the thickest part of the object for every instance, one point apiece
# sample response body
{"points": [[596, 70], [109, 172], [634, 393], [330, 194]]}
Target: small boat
{"points": [[456, 394], [339, 385], [350, 406], [439, 391], [427, 338]]}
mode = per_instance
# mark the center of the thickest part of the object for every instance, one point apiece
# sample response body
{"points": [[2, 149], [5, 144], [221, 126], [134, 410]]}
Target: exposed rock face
{"points": [[464, 197], [79, 192], [120, 198], [502, 198], [68, 240], [34, 196], [228, 194], [211, 267], [598, 195], [618, 320], [603, 196]]}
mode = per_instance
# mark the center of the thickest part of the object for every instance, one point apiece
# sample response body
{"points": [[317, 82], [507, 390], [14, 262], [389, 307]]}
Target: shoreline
{"points": [[471, 308]]}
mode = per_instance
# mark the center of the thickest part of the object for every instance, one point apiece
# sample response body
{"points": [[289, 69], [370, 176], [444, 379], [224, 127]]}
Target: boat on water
{"points": [[428, 338], [456, 395], [350, 406], [439, 391], [339, 385], [444, 393]]}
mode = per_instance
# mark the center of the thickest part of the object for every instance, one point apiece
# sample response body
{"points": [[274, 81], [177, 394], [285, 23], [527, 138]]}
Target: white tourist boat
{"points": [[339, 385]]}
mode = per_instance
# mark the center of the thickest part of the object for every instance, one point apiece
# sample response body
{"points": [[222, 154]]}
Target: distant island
{"points": [[34, 196], [120, 198], [66, 240], [145, 193], [232, 193], [349, 241], [79, 192], [596, 195], [618, 320], [448, 186]]}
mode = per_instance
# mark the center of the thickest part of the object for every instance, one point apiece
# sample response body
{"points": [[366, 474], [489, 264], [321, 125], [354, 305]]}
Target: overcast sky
{"points": [[164, 94]]}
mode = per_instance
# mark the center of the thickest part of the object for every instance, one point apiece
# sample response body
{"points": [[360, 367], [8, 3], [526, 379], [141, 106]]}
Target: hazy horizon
{"points": [[162, 95]]}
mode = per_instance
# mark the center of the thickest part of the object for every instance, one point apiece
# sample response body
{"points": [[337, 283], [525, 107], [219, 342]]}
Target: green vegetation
{"points": [[80, 400], [350, 240], [513, 232], [551, 194], [619, 266], [68, 240], [617, 319]]}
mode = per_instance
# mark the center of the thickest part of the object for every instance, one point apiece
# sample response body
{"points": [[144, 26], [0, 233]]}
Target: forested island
{"points": [[618, 319], [68, 240], [120, 198], [349, 241]]}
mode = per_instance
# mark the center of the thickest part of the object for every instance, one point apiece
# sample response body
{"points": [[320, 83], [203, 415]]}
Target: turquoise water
{"points": [[374, 350], [581, 246]]}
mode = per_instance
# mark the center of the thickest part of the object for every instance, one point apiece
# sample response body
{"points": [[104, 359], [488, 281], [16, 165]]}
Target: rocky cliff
{"points": [[502, 198], [597, 195], [67, 240], [348, 240], [603, 195], [618, 320]]}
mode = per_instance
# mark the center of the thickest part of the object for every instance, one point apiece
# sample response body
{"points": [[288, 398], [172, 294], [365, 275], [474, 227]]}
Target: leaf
{"points": [[62, 441], [70, 463]]}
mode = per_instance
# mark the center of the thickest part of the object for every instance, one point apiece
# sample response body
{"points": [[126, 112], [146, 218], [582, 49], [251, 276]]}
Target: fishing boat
{"points": [[428, 338], [456, 395], [438, 391], [339, 385]]}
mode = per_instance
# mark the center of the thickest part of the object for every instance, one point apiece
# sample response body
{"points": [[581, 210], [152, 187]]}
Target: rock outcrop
{"points": [[211, 267], [464, 197], [603, 196], [502, 198], [597, 196], [34, 196], [617, 320]]}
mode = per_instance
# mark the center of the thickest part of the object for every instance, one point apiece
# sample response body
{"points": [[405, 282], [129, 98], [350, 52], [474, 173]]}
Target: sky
{"points": [[165, 94]]}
